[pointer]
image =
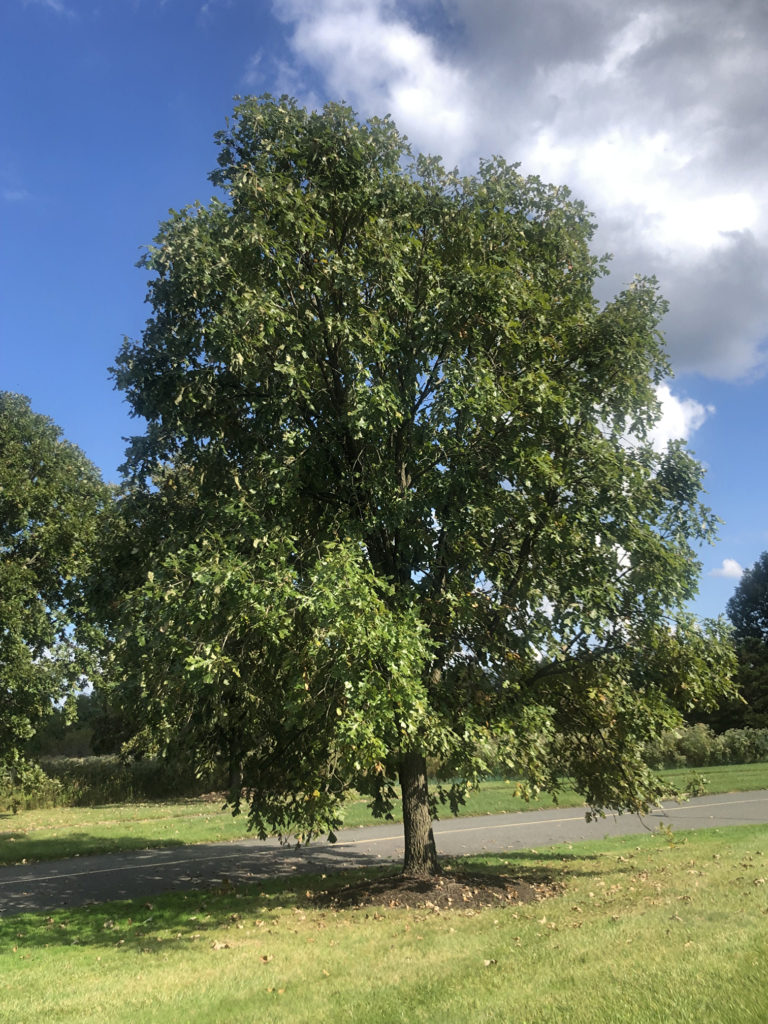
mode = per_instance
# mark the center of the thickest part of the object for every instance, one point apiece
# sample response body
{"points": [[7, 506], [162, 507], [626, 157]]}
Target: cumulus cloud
{"points": [[730, 570], [653, 113], [372, 57], [680, 417], [719, 301]]}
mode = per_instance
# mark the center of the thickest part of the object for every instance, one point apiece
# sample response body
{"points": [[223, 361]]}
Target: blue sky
{"points": [[652, 112]]}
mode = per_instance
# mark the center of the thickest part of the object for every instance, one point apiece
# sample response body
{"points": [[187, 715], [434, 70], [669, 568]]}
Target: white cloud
{"points": [[377, 61], [15, 195], [730, 570], [652, 113], [680, 417]]}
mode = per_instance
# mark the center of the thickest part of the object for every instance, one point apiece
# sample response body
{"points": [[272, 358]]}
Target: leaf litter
{"points": [[460, 892]]}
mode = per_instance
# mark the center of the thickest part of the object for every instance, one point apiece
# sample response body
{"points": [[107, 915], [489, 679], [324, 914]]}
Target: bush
{"points": [[664, 753], [741, 746], [87, 781], [25, 786], [697, 746]]}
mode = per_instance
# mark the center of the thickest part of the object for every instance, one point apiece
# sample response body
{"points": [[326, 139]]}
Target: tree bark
{"points": [[420, 852]]}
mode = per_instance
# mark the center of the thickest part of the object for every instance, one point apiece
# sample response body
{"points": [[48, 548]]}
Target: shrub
{"points": [[697, 747], [741, 746], [25, 786], [87, 781], [664, 753]]}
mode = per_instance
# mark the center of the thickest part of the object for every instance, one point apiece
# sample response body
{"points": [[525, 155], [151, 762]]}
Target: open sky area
{"points": [[654, 113]]}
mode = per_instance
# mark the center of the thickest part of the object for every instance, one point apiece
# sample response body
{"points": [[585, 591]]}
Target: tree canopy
{"points": [[50, 495], [748, 611], [396, 497], [748, 608]]}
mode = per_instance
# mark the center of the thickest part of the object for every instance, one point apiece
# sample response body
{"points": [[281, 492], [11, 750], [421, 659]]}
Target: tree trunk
{"points": [[236, 778], [420, 852]]}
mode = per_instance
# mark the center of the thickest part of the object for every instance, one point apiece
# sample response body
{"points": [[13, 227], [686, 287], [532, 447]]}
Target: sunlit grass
{"points": [[498, 797], [71, 831], [645, 932]]}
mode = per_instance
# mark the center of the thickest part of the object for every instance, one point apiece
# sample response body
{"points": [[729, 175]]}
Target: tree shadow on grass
{"points": [[248, 875], [543, 867], [146, 873], [11, 837], [529, 864], [173, 920]]}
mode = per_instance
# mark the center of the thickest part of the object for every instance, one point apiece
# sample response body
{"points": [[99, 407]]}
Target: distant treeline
{"points": [[93, 780]]}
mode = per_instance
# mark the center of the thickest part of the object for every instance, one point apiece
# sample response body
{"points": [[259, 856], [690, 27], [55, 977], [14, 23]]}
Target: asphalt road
{"points": [[142, 874]]}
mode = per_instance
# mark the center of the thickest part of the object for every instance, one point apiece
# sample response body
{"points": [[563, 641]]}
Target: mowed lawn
{"points": [[644, 932], [71, 831]]}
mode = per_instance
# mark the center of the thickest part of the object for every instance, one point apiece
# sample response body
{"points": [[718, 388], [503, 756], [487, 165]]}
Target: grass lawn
{"points": [[70, 831], [645, 932]]}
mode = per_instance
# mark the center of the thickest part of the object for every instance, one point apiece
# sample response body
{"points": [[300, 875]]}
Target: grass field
{"points": [[644, 932], [70, 831]]}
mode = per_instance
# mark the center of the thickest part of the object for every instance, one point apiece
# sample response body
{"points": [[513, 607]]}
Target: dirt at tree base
{"points": [[451, 891]]}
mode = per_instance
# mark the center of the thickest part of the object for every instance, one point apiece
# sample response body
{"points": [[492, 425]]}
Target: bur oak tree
{"points": [[50, 497], [396, 497]]}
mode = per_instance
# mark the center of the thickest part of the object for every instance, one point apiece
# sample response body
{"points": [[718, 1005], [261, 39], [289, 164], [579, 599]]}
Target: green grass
{"points": [[645, 932], [71, 831]]}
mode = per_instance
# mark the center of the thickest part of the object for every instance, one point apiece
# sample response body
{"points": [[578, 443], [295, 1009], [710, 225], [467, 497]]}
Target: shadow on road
{"points": [[19, 847], [146, 873], [172, 920]]}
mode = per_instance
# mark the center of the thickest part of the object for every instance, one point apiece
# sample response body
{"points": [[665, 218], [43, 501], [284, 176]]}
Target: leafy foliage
{"points": [[396, 493], [96, 728], [697, 746], [748, 608], [748, 707], [24, 784], [50, 495], [748, 611]]}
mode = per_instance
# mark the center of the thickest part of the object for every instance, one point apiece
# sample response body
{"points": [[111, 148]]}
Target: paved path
{"points": [[76, 881]]}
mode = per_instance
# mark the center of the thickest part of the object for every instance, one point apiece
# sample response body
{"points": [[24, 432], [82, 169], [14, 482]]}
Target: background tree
{"points": [[93, 724], [748, 608], [748, 611], [396, 493], [50, 496]]}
